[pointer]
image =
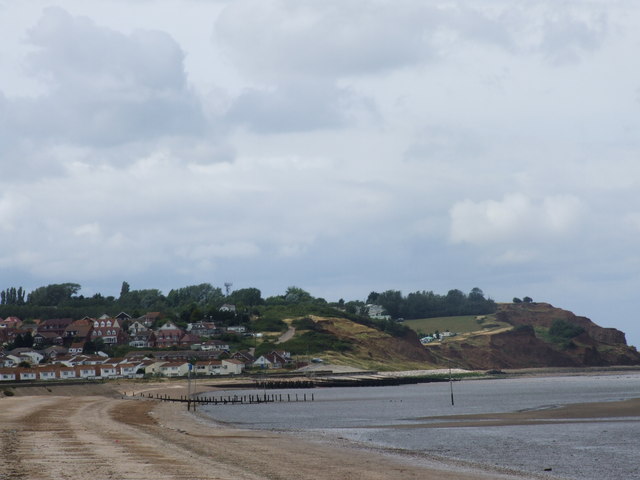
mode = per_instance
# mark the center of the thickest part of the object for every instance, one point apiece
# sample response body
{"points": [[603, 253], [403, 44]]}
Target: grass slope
{"points": [[461, 324]]}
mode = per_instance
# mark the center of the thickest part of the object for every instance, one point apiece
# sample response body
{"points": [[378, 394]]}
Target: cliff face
{"points": [[529, 345]]}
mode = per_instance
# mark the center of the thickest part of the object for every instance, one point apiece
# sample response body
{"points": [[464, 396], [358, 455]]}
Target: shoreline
{"points": [[99, 430]]}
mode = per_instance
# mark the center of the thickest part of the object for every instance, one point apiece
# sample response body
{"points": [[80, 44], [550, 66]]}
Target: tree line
{"points": [[425, 304], [203, 301]]}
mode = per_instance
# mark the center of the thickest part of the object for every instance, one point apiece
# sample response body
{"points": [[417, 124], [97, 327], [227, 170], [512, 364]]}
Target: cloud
{"points": [[301, 106], [105, 88], [516, 218]]}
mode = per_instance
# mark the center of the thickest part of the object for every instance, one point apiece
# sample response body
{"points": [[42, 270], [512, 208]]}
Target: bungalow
{"points": [[271, 360], [86, 371], [245, 357], [151, 367], [174, 369], [227, 307], [47, 373], [128, 369], [107, 371], [27, 355], [67, 372], [7, 374], [27, 374], [231, 366], [212, 367]]}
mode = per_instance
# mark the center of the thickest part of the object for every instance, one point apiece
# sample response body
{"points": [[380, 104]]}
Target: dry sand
{"points": [[96, 433]]}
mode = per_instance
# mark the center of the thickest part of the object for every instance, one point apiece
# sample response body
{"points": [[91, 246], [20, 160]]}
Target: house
{"points": [[273, 360], [47, 373], [67, 372], [188, 340], [168, 335], [137, 327], [227, 307], [202, 329], [79, 330], [149, 318], [27, 355], [107, 371], [245, 357], [208, 368], [54, 325], [128, 369], [76, 348], [377, 312], [47, 338], [215, 345], [142, 339], [151, 367], [11, 322], [7, 374], [174, 369], [109, 330], [27, 374], [54, 351], [123, 317], [237, 329], [86, 371], [231, 366]]}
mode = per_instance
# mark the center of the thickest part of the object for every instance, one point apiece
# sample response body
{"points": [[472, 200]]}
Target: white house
{"points": [[107, 371], [27, 374], [174, 369], [48, 373], [7, 374], [232, 366], [86, 371]]}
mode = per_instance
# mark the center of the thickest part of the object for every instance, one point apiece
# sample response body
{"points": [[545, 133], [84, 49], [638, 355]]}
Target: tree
{"points": [[53, 295], [247, 296], [527, 299], [392, 302], [372, 298], [516, 300], [202, 295], [124, 289], [297, 295]]}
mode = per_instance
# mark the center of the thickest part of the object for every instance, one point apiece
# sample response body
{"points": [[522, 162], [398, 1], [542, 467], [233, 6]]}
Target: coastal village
{"points": [[58, 349]]}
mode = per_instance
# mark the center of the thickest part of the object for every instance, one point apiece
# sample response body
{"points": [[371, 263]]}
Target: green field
{"points": [[462, 324]]}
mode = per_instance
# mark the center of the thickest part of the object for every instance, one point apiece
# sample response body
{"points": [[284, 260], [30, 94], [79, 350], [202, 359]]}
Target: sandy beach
{"points": [[99, 433]]}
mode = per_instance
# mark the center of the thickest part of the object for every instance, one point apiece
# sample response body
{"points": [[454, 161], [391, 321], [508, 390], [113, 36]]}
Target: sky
{"points": [[341, 146]]}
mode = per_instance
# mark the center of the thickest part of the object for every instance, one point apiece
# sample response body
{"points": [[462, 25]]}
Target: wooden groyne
{"points": [[346, 381], [230, 399]]}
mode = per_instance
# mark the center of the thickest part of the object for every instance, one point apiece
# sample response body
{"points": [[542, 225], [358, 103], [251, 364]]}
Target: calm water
{"points": [[371, 416]]}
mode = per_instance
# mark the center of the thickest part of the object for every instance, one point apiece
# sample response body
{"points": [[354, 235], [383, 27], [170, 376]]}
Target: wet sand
{"points": [[98, 433]]}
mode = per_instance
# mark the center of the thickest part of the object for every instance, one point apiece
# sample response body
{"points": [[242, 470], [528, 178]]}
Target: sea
{"points": [[395, 420]]}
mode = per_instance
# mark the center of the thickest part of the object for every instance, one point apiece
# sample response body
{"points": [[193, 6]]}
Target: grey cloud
{"points": [[105, 87], [301, 106], [566, 38]]}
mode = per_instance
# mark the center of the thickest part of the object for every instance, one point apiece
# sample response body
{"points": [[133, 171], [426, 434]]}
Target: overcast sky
{"points": [[339, 146]]}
